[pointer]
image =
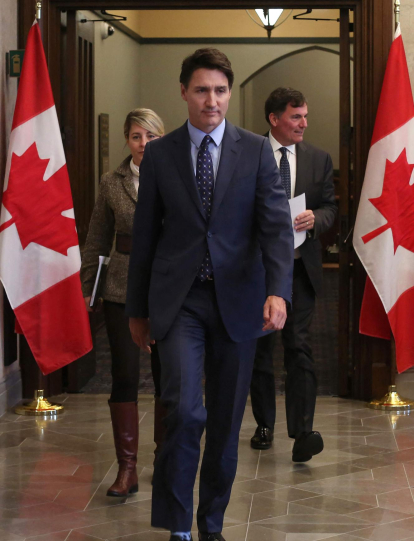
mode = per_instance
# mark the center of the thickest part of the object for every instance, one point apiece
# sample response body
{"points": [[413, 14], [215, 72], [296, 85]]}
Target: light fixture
{"points": [[269, 18]]}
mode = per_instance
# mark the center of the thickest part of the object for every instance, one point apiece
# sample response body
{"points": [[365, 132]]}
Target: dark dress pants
{"points": [[197, 334], [125, 355], [301, 383], [262, 387]]}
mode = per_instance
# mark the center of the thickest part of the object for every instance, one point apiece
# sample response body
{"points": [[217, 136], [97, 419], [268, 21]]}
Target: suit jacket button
{"points": [[209, 234]]}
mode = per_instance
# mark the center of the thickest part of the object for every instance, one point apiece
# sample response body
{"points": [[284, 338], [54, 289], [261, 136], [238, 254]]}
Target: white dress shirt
{"points": [[135, 173]]}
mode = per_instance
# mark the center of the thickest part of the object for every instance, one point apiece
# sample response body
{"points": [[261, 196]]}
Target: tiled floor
{"points": [[54, 475]]}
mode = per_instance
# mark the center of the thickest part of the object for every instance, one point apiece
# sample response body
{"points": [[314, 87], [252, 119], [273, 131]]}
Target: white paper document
{"points": [[297, 206], [100, 276]]}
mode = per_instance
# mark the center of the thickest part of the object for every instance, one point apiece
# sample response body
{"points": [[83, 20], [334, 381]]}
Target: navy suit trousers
{"points": [[198, 343]]}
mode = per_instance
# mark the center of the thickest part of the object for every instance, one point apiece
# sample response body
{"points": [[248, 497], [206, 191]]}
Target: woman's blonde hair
{"points": [[145, 118]]}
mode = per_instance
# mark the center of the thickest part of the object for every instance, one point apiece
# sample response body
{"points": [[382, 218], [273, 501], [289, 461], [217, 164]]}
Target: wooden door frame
{"points": [[344, 210], [373, 30]]}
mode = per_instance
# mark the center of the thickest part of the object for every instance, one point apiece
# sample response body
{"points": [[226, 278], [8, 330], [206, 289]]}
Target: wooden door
{"points": [[77, 121], [345, 208], [77, 118], [364, 362], [373, 30]]}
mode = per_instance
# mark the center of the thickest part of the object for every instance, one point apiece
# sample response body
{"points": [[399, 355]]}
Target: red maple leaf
{"points": [[396, 203], [36, 205]]}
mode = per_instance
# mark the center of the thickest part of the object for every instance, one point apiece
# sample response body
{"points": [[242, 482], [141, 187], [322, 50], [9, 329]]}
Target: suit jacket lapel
{"points": [[125, 171], [182, 156], [303, 166], [230, 153]]}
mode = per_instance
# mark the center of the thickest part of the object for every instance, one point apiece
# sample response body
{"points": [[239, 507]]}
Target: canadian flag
{"points": [[384, 228], [39, 252]]}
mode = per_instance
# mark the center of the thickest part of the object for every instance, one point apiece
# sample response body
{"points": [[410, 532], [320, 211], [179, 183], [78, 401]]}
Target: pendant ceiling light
{"points": [[269, 18]]}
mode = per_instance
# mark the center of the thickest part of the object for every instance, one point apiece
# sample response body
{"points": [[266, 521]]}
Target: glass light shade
{"points": [[272, 17]]}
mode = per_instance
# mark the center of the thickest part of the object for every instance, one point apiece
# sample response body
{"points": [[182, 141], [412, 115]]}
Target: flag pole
{"points": [[39, 406], [38, 10], [397, 5], [391, 401]]}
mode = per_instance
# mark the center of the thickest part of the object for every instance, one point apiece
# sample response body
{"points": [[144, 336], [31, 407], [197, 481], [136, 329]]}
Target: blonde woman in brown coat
{"points": [[112, 220]]}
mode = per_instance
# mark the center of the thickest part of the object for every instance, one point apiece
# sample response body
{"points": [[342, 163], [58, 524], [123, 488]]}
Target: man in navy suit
{"points": [[304, 169], [210, 271]]}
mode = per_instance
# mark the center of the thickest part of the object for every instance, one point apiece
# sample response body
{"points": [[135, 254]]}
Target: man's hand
{"points": [[140, 332], [304, 221], [274, 313]]}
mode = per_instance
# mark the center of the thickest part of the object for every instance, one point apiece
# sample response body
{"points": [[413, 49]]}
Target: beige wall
{"points": [[407, 25], [225, 23], [316, 74], [117, 81], [160, 68], [10, 383], [8, 85], [146, 75]]}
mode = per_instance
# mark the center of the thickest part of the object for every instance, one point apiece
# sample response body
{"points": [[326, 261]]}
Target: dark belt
{"points": [[123, 243]]}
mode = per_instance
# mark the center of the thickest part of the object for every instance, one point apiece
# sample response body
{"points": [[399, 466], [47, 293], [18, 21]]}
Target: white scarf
{"points": [[135, 173]]}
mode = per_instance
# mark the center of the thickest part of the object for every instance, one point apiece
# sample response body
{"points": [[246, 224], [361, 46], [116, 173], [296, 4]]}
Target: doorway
{"points": [[372, 32]]}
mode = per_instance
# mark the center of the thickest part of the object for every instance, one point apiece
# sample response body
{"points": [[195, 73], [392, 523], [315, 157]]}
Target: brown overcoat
{"points": [[113, 213]]}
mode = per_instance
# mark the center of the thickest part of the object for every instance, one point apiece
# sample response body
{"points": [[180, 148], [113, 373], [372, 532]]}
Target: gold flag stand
{"points": [[391, 401], [39, 406]]}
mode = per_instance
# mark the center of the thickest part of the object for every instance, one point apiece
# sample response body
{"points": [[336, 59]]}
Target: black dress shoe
{"points": [[210, 537], [262, 438], [306, 446]]}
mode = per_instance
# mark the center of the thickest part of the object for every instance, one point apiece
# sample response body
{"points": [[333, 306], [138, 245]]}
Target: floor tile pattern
{"points": [[54, 475]]}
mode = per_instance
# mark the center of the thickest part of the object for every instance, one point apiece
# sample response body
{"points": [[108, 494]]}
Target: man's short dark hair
{"points": [[280, 98], [209, 58]]}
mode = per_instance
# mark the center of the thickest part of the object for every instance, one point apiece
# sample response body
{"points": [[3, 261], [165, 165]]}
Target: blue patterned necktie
{"points": [[205, 183], [285, 171]]}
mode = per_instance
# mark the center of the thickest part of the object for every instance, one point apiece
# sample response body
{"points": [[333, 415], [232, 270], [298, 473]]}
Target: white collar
{"points": [[134, 168], [276, 145]]}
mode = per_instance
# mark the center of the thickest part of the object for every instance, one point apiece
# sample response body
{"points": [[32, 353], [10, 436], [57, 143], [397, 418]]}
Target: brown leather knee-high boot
{"points": [[124, 417], [159, 427]]}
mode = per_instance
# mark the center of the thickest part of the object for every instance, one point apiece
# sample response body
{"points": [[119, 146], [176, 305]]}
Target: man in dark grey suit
{"points": [[304, 169], [211, 271]]}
